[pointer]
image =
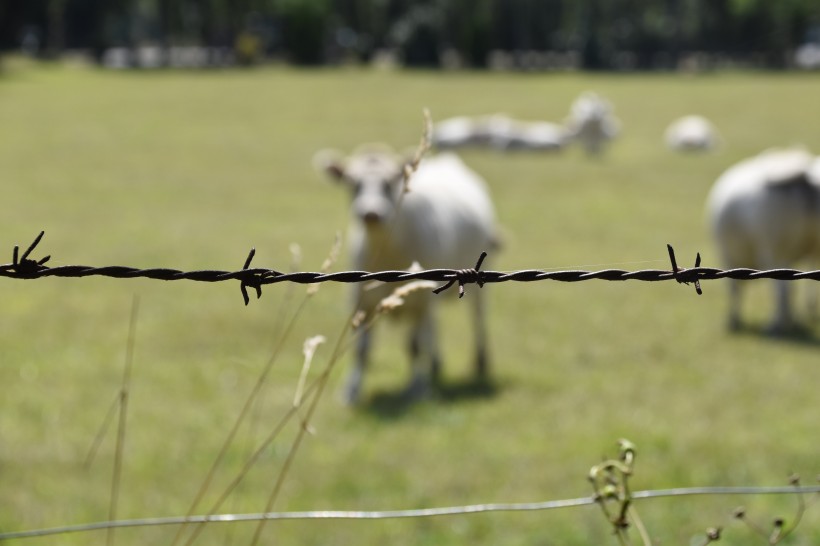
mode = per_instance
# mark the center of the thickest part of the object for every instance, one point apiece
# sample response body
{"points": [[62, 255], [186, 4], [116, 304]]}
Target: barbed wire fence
{"points": [[25, 268], [609, 479]]}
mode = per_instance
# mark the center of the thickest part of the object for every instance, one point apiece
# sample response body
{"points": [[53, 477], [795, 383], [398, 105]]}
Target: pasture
{"points": [[190, 170]]}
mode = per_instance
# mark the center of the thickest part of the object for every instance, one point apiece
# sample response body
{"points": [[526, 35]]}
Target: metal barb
{"points": [[464, 276], [683, 275], [252, 283], [25, 266], [32, 246]]}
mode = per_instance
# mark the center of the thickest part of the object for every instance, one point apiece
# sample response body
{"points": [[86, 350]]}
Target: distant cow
{"points": [[691, 134], [765, 214], [507, 134], [456, 132], [445, 221], [498, 132], [591, 122]]}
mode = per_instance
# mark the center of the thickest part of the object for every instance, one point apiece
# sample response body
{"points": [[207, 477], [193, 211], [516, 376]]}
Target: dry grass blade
{"points": [[398, 297], [285, 334], [424, 146], [311, 346], [98, 438], [331, 259], [297, 442], [123, 415], [309, 350], [334, 252], [361, 322], [241, 416]]}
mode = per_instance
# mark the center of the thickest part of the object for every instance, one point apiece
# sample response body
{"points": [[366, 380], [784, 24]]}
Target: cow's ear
{"points": [[331, 162]]}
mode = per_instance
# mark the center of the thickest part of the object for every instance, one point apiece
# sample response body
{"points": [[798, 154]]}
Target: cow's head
{"points": [[375, 176]]}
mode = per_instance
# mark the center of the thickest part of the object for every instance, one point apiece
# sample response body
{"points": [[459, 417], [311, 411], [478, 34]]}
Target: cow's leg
{"points": [[734, 304], [424, 356], [782, 321], [417, 353], [482, 363], [354, 381], [811, 293]]}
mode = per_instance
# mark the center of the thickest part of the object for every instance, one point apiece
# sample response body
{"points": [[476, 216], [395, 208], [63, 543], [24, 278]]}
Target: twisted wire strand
{"points": [[397, 514], [271, 276], [23, 267]]}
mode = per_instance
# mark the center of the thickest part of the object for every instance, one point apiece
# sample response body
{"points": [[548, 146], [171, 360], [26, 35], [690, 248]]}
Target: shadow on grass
{"points": [[396, 404], [796, 335]]}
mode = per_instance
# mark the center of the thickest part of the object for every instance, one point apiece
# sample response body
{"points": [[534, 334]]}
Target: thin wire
{"points": [[605, 264], [398, 514]]}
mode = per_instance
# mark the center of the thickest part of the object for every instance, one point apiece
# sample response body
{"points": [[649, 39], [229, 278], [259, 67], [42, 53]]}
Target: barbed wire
{"points": [[23, 267], [400, 514], [26, 268]]}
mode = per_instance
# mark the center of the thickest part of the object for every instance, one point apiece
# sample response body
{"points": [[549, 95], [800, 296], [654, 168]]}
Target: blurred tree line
{"points": [[601, 34]]}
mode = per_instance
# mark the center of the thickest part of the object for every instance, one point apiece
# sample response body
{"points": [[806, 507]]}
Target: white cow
{"points": [[445, 221], [504, 133], [456, 132], [691, 134], [591, 122], [765, 214], [541, 135]]}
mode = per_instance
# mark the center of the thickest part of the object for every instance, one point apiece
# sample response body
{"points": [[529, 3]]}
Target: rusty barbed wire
{"points": [[28, 268]]}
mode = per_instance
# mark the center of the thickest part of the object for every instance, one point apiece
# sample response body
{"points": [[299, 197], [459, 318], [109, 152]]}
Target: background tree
{"points": [[606, 34]]}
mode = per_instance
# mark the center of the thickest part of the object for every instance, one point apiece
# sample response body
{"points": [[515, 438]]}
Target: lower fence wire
{"points": [[396, 514]]}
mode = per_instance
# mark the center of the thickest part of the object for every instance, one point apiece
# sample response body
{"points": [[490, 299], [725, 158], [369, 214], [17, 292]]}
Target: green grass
{"points": [[190, 170]]}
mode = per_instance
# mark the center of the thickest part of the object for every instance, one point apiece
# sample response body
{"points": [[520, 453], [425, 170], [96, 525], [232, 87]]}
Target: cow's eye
{"points": [[387, 189]]}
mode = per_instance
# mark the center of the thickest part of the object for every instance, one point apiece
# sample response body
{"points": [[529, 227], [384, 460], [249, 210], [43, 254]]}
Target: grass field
{"points": [[191, 170]]}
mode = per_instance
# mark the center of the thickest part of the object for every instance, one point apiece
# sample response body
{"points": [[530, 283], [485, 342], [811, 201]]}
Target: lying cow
{"points": [[507, 134], [691, 134]]}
